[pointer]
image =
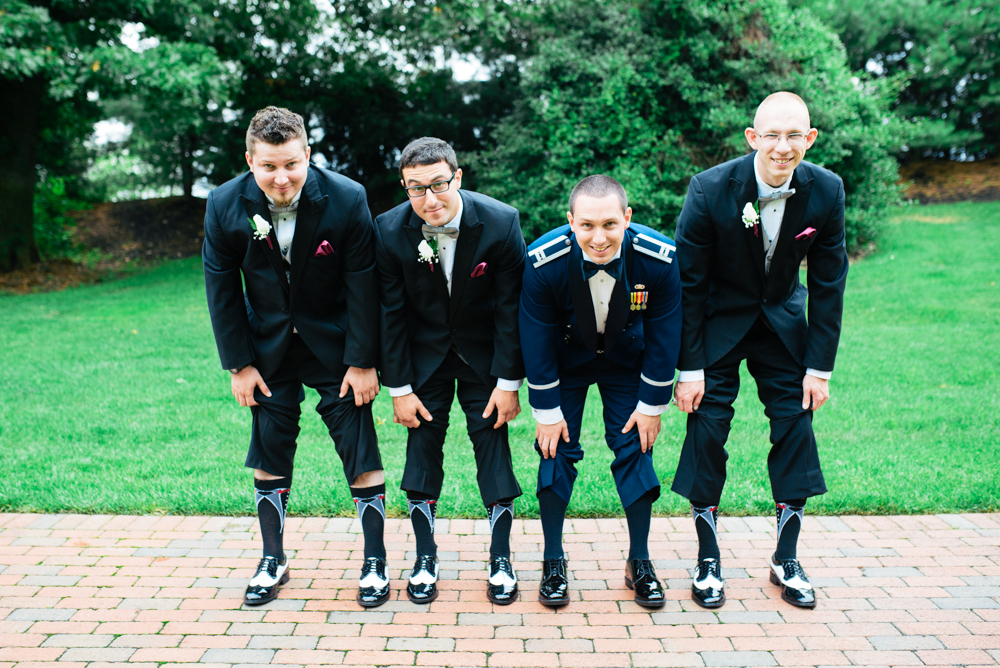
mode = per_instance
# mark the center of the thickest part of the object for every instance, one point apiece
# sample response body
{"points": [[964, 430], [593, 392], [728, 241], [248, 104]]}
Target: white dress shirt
{"points": [[446, 260], [771, 215], [284, 228]]}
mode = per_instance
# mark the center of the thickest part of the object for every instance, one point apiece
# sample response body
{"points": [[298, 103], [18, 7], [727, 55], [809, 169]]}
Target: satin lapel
{"points": [[793, 220], [583, 301], [470, 230], [312, 204], [744, 189], [259, 207], [618, 305], [438, 280]]}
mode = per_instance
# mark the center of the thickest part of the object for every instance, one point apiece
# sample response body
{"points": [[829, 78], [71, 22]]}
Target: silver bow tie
{"points": [[776, 195], [434, 230]]}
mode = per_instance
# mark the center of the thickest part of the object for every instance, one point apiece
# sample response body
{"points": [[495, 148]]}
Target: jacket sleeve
{"points": [[395, 363], [224, 288], [695, 245], [539, 332], [507, 361], [827, 278], [361, 287], [661, 326]]}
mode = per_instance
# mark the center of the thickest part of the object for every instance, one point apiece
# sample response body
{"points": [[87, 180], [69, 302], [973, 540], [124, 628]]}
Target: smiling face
{"points": [[781, 135], [280, 170], [434, 208], [599, 225]]}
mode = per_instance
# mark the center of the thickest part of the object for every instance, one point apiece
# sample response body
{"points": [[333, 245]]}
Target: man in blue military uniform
{"points": [[601, 303]]}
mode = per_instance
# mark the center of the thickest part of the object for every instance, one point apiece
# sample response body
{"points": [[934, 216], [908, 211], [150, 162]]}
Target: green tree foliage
{"points": [[949, 53], [654, 91]]}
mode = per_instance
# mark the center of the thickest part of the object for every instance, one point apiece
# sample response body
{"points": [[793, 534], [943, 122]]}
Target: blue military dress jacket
{"points": [[558, 326]]}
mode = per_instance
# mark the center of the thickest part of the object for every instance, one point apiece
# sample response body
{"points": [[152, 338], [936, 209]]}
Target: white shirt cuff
{"points": [[400, 391], [547, 415], [691, 376], [509, 385], [825, 375], [651, 411]]}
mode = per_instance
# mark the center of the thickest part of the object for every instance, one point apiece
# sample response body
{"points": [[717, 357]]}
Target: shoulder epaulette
{"points": [[661, 250], [550, 251]]}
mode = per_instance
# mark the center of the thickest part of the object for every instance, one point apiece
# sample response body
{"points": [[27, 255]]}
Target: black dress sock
{"points": [[789, 515], [706, 521], [271, 497], [638, 516], [553, 512], [370, 502], [423, 510], [501, 517]]}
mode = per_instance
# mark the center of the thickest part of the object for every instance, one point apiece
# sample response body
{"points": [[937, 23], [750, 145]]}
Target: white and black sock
{"points": [[789, 515], [423, 510], [706, 519], [370, 502], [271, 497], [501, 517]]}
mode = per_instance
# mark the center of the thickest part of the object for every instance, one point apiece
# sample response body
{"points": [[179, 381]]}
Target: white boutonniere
{"points": [[428, 251], [261, 228], [751, 216]]}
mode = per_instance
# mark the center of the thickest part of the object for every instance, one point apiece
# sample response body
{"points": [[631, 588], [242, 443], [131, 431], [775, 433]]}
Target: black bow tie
{"points": [[776, 195], [439, 230], [613, 269]]}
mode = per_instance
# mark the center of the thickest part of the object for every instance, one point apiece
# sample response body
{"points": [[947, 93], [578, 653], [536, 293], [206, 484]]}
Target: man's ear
{"points": [[811, 137], [249, 160], [569, 217], [751, 137], [458, 178]]}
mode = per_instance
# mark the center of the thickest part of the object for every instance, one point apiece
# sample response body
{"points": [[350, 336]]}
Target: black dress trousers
{"points": [[793, 462]]}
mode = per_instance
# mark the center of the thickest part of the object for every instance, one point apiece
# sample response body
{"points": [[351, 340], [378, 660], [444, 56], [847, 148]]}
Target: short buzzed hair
{"points": [[427, 151], [598, 186], [781, 97], [276, 126]]}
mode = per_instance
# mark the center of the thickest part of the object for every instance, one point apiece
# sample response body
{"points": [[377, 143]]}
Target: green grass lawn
{"points": [[113, 400]]}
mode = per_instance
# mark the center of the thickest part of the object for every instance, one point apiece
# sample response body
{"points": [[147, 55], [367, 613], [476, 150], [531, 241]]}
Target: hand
{"points": [[507, 403], [689, 395], [405, 409], [649, 428], [364, 382], [245, 382], [548, 436], [815, 392]]}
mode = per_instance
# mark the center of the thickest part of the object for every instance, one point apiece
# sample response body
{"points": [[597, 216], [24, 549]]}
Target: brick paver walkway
{"points": [[81, 590]]}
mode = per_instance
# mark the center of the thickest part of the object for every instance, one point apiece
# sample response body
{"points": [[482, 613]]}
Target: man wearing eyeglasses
{"points": [[450, 264], [746, 227]]}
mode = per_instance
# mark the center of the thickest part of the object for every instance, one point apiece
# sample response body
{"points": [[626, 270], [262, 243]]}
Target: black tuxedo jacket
{"points": [[421, 322], [724, 288], [331, 299]]}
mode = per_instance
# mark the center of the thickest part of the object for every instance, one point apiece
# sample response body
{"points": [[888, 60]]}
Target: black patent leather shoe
{"points": [[264, 585], [640, 576], [795, 587], [373, 587], [708, 589], [422, 587], [501, 588], [553, 590]]}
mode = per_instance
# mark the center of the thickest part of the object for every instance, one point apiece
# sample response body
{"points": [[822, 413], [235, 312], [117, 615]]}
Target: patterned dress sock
{"points": [[501, 517], [553, 511], [370, 502], [271, 497], [706, 519], [789, 515], [638, 517], [423, 510]]}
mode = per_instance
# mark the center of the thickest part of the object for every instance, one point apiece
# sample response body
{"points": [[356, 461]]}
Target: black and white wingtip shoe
{"points": [[422, 587], [795, 586], [640, 576], [373, 587], [708, 589], [264, 585], [501, 588]]}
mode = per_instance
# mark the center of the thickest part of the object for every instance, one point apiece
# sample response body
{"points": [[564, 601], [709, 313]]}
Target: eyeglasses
{"points": [[771, 138], [436, 187]]}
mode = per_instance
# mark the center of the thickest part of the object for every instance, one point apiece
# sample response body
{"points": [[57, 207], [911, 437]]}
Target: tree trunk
{"points": [[21, 102], [187, 163]]}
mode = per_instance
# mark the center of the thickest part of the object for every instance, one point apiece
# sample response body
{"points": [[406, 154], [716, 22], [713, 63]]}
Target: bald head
{"points": [[781, 135], [782, 104]]}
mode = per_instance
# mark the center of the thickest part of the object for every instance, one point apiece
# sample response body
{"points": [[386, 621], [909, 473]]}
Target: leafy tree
{"points": [[654, 91]]}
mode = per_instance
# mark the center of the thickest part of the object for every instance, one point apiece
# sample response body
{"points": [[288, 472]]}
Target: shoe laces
{"points": [[269, 564], [502, 564], [643, 568], [708, 567], [792, 567], [371, 564], [424, 562], [554, 566]]}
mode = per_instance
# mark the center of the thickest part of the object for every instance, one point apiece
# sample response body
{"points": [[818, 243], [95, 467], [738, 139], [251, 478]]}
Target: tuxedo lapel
{"points": [[793, 219], [258, 207], [618, 304], [583, 301], [312, 204], [470, 230], [744, 189], [414, 235]]}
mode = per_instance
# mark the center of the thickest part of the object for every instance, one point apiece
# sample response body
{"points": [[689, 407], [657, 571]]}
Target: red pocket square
{"points": [[323, 249], [479, 270], [806, 233]]}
